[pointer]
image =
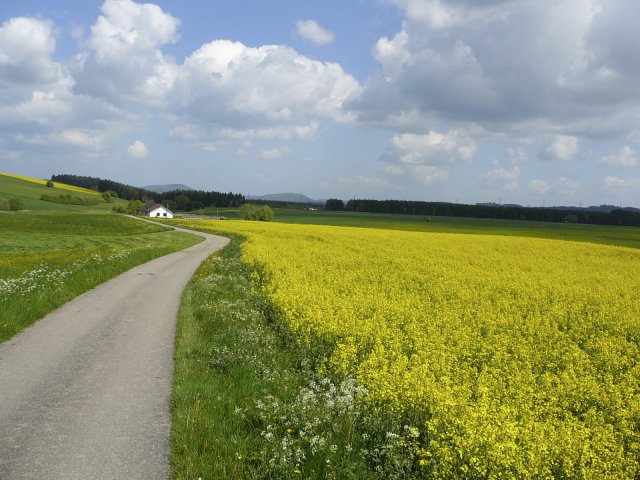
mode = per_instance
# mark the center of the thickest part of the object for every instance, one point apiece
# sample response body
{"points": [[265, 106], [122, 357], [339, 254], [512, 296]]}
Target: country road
{"points": [[84, 393]]}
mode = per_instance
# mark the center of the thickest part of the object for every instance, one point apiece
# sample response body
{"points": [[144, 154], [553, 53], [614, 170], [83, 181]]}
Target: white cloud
{"points": [[517, 154], [274, 153], [311, 31], [539, 186], [460, 61], [428, 175], [432, 149], [616, 183], [122, 61], [75, 137], [228, 83], [625, 157], [562, 147], [26, 46], [138, 150], [560, 187], [501, 179]]}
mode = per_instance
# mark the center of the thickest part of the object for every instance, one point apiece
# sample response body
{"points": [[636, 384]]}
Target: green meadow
{"points": [[30, 193], [51, 253]]}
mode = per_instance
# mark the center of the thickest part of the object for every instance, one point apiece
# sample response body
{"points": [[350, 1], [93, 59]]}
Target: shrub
{"points": [[49, 184], [15, 204], [133, 206], [251, 211], [109, 196], [66, 199]]}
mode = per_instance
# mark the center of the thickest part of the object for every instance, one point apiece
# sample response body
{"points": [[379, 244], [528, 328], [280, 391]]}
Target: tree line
{"points": [[616, 217], [186, 200]]}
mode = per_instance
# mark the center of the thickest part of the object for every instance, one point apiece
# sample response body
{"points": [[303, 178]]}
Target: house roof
{"points": [[150, 207]]}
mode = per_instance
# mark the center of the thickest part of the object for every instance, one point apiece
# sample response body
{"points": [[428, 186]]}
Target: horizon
{"points": [[509, 101]]}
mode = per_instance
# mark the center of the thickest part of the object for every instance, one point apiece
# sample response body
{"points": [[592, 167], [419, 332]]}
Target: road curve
{"points": [[84, 393]]}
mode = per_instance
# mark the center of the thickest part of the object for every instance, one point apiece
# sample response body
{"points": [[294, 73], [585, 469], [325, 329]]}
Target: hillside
{"points": [[286, 197], [59, 185], [30, 190], [167, 188]]}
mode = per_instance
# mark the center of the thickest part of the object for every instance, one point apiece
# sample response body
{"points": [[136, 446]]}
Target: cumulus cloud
{"points": [[122, 61], [229, 83], [539, 186], [84, 139], [461, 61], [138, 150], [616, 183], [517, 154], [562, 147], [433, 149], [501, 179], [561, 187], [625, 157], [26, 46], [311, 31]]}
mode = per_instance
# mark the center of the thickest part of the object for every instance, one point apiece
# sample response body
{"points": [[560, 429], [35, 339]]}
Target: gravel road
{"points": [[84, 393]]}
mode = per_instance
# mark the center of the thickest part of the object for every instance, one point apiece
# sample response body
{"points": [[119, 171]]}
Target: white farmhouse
{"points": [[155, 210]]}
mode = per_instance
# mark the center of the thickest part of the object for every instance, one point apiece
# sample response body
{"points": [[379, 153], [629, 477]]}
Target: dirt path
{"points": [[84, 393]]}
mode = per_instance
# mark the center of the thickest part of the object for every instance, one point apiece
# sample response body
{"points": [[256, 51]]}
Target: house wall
{"points": [[161, 213]]}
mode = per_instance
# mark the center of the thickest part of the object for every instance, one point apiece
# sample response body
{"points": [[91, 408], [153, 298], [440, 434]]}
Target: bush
{"points": [[119, 209], [66, 199], [15, 204], [49, 184], [251, 211], [109, 196], [133, 206]]}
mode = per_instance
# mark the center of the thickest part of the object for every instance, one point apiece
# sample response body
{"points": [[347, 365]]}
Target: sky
{"points": [[535, 102]]}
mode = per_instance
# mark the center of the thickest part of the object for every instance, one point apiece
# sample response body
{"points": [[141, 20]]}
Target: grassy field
{"points": [[624, 236], [47, 258], [58, 185], [480, 356], [30, 191]]}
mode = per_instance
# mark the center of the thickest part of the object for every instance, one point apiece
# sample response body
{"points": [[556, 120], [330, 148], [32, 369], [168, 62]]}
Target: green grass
{"points": [[30, 193], [623, 236], [48, 258]]}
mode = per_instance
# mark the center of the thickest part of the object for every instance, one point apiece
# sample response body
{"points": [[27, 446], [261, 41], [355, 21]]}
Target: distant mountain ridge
{"points": [[167, 187], [286, 197]]}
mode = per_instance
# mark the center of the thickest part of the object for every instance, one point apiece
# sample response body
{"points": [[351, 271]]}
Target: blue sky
{"points": [[513, 101]]}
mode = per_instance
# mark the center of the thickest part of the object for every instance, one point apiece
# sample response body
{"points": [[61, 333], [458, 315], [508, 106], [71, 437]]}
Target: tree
{"points": [[134, 206], [251, 211], [49, 184], [182, 202], [334, 204]]}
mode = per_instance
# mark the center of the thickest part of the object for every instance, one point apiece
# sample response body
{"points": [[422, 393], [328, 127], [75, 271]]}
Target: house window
{"points": [[164, 214]]}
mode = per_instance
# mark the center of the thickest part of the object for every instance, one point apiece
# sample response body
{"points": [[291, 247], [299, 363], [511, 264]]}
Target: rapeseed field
{"points": [[506, 357]]}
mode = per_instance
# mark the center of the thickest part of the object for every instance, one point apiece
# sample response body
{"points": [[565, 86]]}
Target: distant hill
{"points": [[285, 197], [167, 188]]}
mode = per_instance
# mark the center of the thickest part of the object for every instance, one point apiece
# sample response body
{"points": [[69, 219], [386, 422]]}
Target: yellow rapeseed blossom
{"points": [[519, 356]]}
